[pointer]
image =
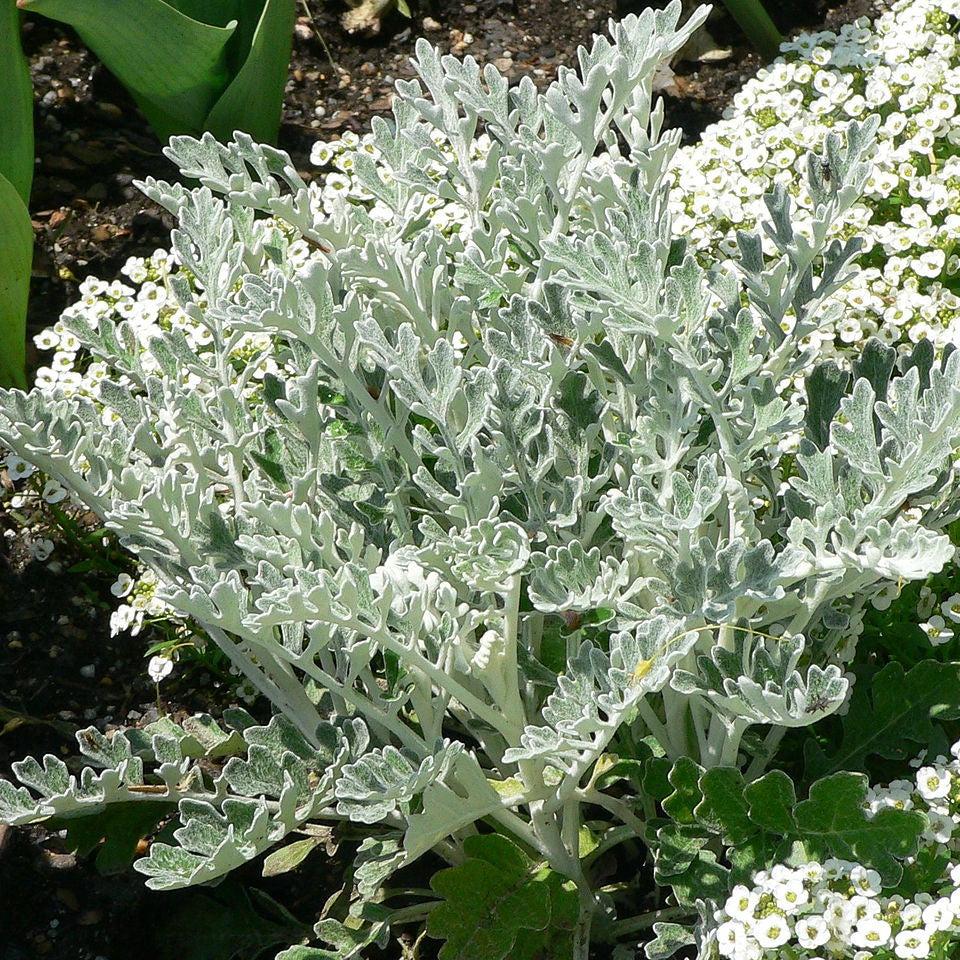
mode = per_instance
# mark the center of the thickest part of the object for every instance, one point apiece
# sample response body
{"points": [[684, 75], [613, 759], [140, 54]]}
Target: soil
{"points": [[59, 668]]}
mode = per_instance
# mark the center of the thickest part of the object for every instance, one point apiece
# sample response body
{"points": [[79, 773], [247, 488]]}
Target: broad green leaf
{"points": [[175, 67], [500, 904], [253, 100], [289, 857], [16, 105], [724, 806], [771, 800], [114, 833], [704, 879], [760, 822], [832, 823], [16, 257], [685, 780], [226, 924], [890, 715]]}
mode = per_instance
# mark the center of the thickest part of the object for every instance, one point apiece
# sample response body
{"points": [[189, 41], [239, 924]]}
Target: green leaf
{"points": [[175, 67], [300, 952], [825, 388], [704, 879], [755, 22], [771, 800], [724, 806], [580, 402], [16, 258], [499, 903], [875, 364], [760, 822], [889, 715], [16, 105], [289, 857], [228, 923], [832, 823], [685, 780], [116, 831], [253, 101], [670, 938]]}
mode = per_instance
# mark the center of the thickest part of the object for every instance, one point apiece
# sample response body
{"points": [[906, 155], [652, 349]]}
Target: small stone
{"points": [[368, 69], [303, 32], [89, 671], [320, 110], [110, 109], [503, 64], [431, 25]]}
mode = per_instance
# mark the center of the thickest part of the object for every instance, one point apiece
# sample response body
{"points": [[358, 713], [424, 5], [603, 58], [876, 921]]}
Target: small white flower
{"points": [[741, 903], [122, 586], [913, 944], [939, 915], [867, 882], [871, 933], [791, 895], [812, 932], [933, 783], [53, 492], [731, 939], [771, 931], [951, 607], [18, 468], [159, 668], [937, 631]]}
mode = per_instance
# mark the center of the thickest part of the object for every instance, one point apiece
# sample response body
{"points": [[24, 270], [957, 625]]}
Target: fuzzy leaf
{"points": [[499, 904], [832, 823], [890, 715]]}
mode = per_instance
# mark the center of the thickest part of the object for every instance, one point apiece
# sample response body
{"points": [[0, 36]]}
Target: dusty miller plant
{"points": [[509, 503]]}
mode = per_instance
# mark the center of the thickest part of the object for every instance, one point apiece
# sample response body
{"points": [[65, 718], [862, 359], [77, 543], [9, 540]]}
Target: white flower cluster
{"points": [[837, 909], [338, 160], [906, 68], [140, 602]]}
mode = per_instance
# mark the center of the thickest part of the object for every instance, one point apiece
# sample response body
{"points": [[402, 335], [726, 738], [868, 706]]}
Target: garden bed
{"points": [[58, 666]]}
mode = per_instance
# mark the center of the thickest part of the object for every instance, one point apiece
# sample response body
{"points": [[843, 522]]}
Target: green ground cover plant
{"points": [[555, 539]]}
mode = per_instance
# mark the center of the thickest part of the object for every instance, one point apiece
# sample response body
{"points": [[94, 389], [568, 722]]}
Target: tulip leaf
{"points": [[16, 257], [175, 67], [253, 101], [16, 104]]}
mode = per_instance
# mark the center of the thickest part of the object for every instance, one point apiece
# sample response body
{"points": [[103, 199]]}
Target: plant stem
{"points": [[581, 932], [643, 921]]}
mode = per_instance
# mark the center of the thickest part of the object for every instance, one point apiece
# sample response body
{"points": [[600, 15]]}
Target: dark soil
{"points": [[59, 669]]}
